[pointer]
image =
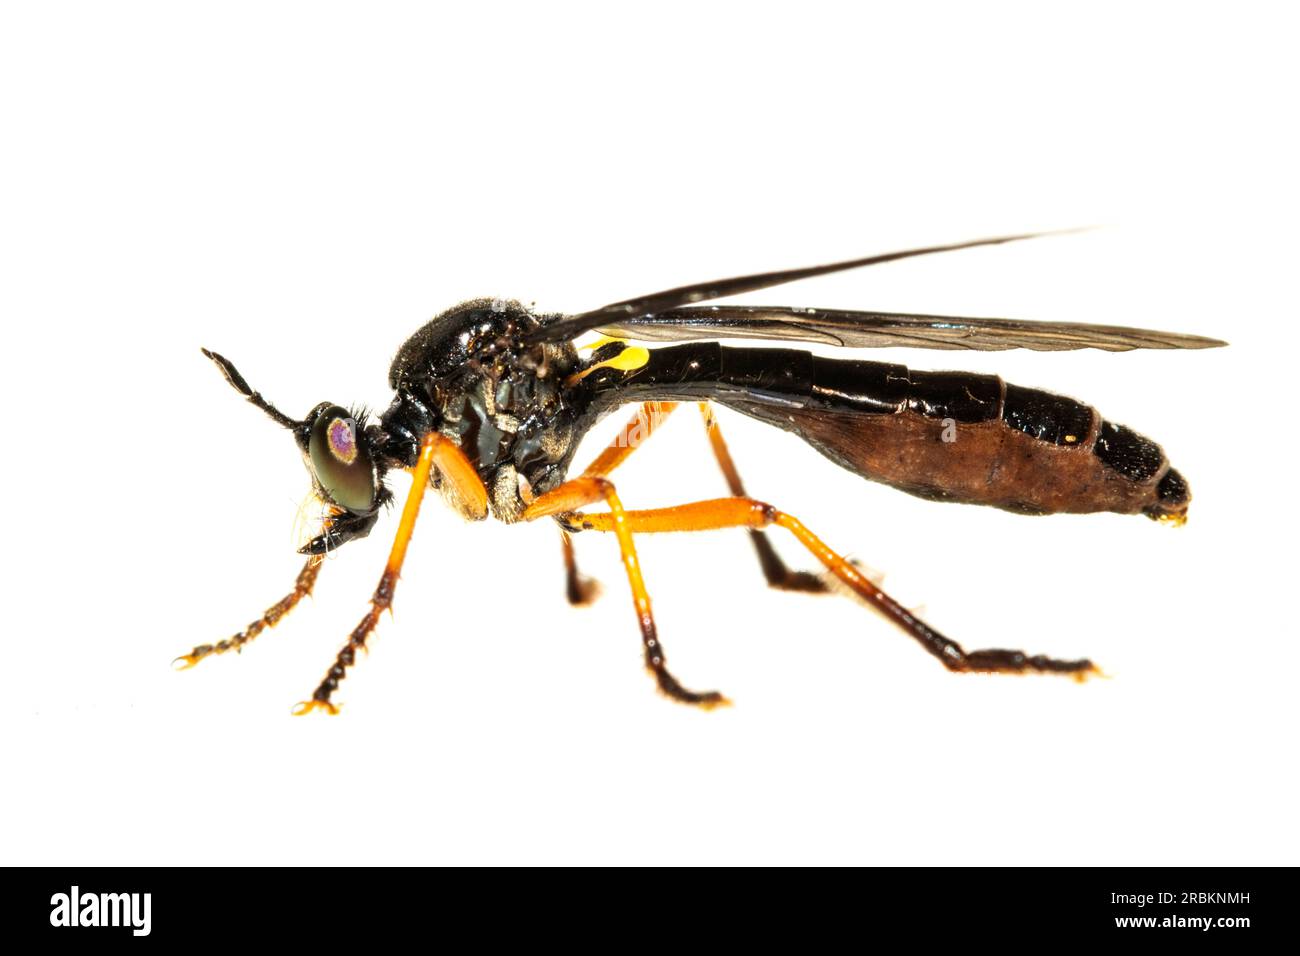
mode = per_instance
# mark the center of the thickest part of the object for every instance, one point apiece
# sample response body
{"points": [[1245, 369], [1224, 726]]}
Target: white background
{"points": [[301, 186]]}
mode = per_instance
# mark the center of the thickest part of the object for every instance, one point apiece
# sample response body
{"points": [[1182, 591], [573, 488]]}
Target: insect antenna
{"points": [[240, 384]]}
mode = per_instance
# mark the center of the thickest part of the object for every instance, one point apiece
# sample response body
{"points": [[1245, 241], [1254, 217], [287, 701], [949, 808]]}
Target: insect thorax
{"points": [[468, 375]]}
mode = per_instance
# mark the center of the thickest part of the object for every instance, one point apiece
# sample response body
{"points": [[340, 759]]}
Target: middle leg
{"points": [[578, 588], [581, 590], [583, 491]]}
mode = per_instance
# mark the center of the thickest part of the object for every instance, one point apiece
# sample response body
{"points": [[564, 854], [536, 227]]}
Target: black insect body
{"points": [[470, 375], [492, 400]]}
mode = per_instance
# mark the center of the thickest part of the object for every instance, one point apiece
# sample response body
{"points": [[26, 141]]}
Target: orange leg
{"points": [[582, 590], [774, 569], [641, 426], [747, 513], [301, 588], [451, 462], [456, 469], [583, 491]]}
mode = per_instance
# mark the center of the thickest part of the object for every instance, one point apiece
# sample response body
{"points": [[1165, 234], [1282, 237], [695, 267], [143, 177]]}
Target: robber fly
{"points": [[492, 400]]}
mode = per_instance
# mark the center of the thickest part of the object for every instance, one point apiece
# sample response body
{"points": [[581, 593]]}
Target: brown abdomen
{"points": [[948, 436], [974, 439]]}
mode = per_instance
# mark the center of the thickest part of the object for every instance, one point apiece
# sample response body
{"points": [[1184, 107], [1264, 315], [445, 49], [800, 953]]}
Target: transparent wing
{"points": [[853, 329], [571, 326]]}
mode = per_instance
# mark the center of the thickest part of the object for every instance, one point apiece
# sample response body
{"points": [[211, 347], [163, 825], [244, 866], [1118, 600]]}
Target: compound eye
{"points": [[341, 461]]}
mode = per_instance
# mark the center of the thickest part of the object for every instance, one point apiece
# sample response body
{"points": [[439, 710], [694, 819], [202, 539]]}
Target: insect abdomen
{"points": [[949, 436]]}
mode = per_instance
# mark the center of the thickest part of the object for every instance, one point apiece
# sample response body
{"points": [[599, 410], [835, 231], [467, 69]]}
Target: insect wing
{"points": [[855, 329], [569, 327]]}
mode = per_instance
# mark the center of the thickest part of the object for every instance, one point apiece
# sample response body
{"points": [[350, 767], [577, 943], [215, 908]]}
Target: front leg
{"points": [[435, 451], [271, 617]]}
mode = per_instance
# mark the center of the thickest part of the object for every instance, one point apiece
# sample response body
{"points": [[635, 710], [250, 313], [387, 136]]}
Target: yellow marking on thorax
{"points": [[631, 358]]}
